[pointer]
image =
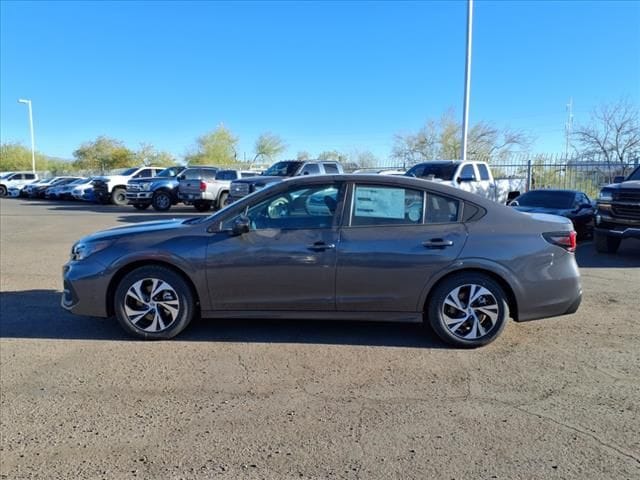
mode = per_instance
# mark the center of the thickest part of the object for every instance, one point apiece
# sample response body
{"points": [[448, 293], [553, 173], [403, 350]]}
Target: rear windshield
{"points": [[442, 171], [546, 199], [226, 175]]}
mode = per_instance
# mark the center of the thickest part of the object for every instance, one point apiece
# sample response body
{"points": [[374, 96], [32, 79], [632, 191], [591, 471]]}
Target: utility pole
{"points": [[467, 80], [33, 142], [568, 128]]}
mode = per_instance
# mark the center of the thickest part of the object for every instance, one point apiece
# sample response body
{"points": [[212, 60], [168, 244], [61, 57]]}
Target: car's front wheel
{"points": [[153, 303], [119, 196], [161, 201], [468, 310], [3, 191]]}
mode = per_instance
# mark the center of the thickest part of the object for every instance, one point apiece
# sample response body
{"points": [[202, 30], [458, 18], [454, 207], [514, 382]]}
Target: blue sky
{"points": [[323, 75]]}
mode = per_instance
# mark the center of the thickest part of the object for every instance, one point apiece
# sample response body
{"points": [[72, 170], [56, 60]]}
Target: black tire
{"points": [[222, 200], [202, 206], [144, 325], [141, 206], [3, 191], [454, 332], [606, 244], [119, 196], [161, 201]]}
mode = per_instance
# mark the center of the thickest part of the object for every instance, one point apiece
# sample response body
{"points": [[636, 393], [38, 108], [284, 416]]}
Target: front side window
{"points": [[308, 207], [311, 169], [468, 172], [386, 205]]}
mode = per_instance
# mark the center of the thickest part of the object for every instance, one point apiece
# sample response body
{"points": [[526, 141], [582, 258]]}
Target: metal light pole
{"points": [[467, 80], [33, 142]]}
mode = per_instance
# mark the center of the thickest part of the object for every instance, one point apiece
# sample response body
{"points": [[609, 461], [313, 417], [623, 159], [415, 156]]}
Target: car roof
{"points": [[554, 190]]}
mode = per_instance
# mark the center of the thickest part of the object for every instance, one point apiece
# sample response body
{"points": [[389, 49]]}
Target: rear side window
{"points": [[29, 176], [384, 205], [192, 174], [484, 171], [441, 209], [330, 168]]}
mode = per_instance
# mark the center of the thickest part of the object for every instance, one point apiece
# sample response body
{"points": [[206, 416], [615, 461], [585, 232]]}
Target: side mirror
{"points": [[466, 178], [513, 203], [181, 177], [240, 226], [618, 179]]}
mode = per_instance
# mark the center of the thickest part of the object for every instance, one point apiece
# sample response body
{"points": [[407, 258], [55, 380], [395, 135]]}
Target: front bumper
{"points": [[85, 288]]}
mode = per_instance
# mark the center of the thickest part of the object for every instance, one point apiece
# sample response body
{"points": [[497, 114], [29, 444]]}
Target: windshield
{"points": [[635, 175], [123, 171], [170, 172], [282, 169], [443, 171], [546, 199]]}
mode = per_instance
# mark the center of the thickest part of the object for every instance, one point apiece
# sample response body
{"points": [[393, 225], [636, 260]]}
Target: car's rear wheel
{"points": [[468, 310], [222, 201], [202, 206], [161, 201], [119, 196], [153, 303], [141, 206], [3, 191], [606, 244]]}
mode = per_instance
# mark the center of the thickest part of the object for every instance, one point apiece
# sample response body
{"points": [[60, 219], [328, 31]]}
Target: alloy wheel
{"points": [[151, 305], [470, 311]]}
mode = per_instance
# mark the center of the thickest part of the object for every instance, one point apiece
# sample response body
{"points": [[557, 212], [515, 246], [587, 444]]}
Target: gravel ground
{"points": [[556, 398]]}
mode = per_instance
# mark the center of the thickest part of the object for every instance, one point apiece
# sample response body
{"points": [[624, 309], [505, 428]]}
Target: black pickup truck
{"points": [[618, 213]]}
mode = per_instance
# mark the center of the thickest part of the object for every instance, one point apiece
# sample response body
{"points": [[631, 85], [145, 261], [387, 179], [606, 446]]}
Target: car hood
{"points": [[111, 178], [629, 184], [137, 229], [552, 211]]}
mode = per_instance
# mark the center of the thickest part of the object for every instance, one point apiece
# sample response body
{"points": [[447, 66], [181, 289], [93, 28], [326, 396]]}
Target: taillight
{"points": [[203, 186], [566, 240]]}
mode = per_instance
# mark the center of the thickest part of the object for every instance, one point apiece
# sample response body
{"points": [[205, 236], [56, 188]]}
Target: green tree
{"points": [[268, 146], [15, 157], [302, 155], [333, 155], [148, 155], [214, 148], [363, 159], [103, 154]]}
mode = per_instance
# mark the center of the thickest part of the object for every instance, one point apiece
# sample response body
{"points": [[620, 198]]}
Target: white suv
{"points": [[16, 179]]}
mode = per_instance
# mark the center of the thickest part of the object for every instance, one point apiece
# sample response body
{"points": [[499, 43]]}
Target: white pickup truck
{"points": [[474, 177]]}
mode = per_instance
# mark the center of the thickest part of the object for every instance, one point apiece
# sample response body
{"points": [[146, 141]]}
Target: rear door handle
{"points": [[437, 243], [321, 246]]}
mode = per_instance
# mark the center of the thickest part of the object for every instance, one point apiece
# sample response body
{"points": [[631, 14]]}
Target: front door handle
{"points": [[321, 246], [437, 243]]}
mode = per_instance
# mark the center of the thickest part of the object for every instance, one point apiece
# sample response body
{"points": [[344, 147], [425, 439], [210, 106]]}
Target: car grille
{"points": [[239, 189], [627, 196], [630, 212]]}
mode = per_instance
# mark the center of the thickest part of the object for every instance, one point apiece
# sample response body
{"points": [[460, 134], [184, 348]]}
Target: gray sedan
{"points": [[349, 247]]}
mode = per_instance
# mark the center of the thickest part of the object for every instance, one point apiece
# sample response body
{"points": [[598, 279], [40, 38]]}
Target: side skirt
{"points": [[400, 317]]}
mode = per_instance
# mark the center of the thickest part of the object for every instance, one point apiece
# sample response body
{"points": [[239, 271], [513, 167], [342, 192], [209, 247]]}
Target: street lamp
{"points": [[467, 80], [33, 142]]}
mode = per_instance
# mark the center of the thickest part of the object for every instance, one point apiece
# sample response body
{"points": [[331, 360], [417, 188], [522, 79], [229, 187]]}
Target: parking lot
{"points": [[556, 398]]}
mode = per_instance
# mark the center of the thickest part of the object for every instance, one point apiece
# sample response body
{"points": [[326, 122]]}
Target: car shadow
{"points": [[37, 314], [628, 256]]}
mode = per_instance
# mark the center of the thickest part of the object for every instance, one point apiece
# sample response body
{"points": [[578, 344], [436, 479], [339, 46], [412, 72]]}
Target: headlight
{"points": [[605, 195], [82, 250]]}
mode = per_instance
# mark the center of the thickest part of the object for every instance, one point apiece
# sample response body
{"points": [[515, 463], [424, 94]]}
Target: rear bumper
{"points": [[195, 197]]}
